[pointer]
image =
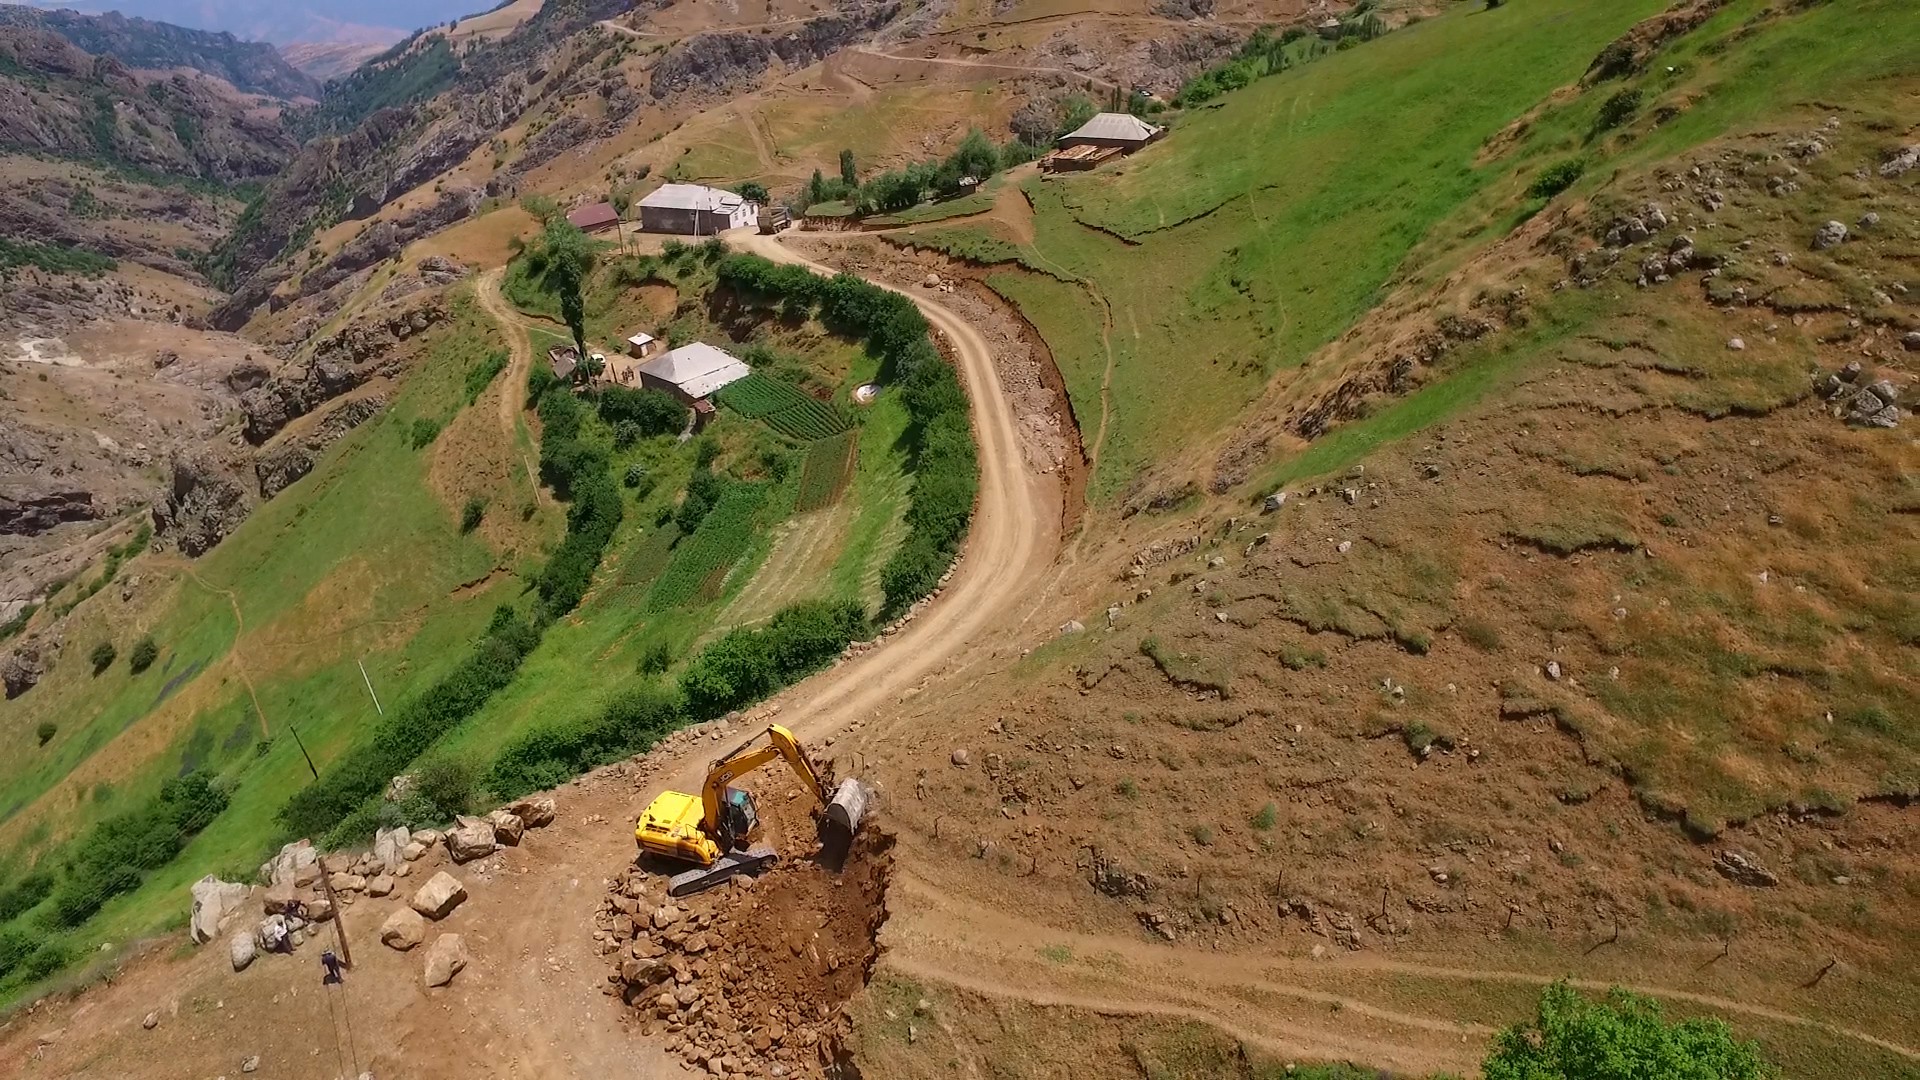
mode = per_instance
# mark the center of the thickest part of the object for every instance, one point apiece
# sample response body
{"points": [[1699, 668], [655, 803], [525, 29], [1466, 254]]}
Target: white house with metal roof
{"points": [[696, 210], [692, 372]]}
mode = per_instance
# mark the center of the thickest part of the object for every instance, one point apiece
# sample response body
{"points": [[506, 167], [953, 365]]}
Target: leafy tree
{"points": [[1622, 1037], [848, 176], [145, 652], [472, 513], [975, 157], [1557, 178], [569, 261], [541, 206], [102, 656], [754, 192], [588, 369], [48, 729]]}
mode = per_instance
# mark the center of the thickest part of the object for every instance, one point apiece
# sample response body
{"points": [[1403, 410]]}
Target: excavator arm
{"points": [[745, 758]]}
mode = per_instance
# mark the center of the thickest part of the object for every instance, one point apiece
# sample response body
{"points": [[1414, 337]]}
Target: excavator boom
{"points": [[710, 830]]}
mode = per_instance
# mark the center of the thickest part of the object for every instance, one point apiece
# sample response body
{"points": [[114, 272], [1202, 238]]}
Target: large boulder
{"points": [[213, 901], [290, 863], [240, 950], [403, 929], [439, 896], [536, 811], [470, 838], [388, 845], [507, 827], [279, 897], [446, 957], [271, 934]]}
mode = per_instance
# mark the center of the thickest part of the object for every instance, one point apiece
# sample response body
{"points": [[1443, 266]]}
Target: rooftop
{"points": [[692, 197], [597, 216], [1109, 125], [698, 369]]}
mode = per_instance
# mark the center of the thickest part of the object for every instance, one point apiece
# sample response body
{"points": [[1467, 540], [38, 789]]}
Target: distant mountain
{"points": [[327, 60], [382, 21], [254, 67]]}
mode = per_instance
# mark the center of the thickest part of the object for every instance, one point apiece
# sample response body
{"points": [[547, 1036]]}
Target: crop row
{"points": [[715, 546]]}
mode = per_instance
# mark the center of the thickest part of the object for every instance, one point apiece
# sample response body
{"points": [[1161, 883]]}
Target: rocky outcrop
{"points": [[277, 468], [723, 61], [204, 505], [30, 513], [27, 664], [382, 240], [1630, 52], [340, 363]]}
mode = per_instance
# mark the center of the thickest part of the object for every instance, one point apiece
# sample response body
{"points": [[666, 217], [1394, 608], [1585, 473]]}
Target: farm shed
{"points": [[692, 372], [693, 210], [597, 218]]}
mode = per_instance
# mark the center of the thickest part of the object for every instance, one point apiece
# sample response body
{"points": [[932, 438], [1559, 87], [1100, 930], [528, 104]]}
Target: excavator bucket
{"points": [[849, 805]]}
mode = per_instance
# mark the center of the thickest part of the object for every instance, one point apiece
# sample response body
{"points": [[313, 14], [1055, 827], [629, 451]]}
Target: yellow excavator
{"points": [[713, 830]]}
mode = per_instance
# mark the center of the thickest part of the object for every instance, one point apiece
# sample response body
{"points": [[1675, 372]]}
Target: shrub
{"points": [[23, 896], [48, 729], [450, 784], [481, 375], [748, 664], [145, 652], [1481, 635], [472, 513], [650, 411], [423, 432], [540, 379], [102, 656], [639, 479], [1265, 820], [1557, 178], [1623, 1035], [1617, 110], [1202, 835], [657, 659]]}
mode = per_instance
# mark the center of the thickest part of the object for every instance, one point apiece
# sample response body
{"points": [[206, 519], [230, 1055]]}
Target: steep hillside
{"points": [[251, 67]]}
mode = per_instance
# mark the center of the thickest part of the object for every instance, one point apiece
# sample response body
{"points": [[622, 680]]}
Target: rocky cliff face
{"points": [[726, 61], [253, 67]]}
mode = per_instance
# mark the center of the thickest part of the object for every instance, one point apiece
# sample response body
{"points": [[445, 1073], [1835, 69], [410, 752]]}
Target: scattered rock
{"points": [[1274, 502], [1870, 220], [1911, 341], [1901, 161], [388, 845], [345, 882], [1072, 626], [1737, 344], [152, 1021], [240, 950], [1830, 235], [507, 827], [380, 885], [960, 758], [213, 901], [471, 838], [446, 957], [1742, 870], [252, 1063], [403, 929], [536, 812], [1553, 670], [439, 896]]}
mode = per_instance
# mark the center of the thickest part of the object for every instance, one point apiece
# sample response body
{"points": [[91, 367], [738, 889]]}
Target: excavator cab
{"points": [[713, 829]]}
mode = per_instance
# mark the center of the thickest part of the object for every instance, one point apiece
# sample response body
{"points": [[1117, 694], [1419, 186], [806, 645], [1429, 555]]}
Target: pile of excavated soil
{"points": [[752, 978]]}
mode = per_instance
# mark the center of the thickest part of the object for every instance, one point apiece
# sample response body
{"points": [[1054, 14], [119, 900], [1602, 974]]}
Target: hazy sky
{"points": [[283, 21]]}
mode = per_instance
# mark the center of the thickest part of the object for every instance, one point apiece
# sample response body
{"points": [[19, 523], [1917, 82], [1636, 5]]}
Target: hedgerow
{"points": [[406, 732], [945, 464], [630, 723], [749, 664], [115, 857]]}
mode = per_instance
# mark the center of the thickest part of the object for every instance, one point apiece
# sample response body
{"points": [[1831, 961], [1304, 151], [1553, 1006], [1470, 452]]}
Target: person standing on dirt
{"points": [[332, 964]]}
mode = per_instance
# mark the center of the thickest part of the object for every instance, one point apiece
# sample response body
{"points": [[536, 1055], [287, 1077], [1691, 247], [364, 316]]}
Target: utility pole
{"points": [[303, 750], [339, 918], [370, 693]]}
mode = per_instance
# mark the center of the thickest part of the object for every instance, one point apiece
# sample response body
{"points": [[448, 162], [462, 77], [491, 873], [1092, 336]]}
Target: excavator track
{"points": [[755, 860]]}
